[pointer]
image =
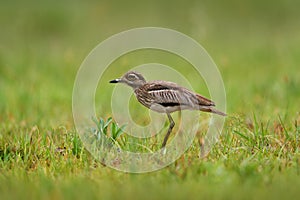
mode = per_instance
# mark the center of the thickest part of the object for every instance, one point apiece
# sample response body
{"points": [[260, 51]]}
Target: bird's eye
{"points": [[131, 77]]}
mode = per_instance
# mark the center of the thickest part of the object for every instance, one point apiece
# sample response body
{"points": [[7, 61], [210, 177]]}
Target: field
{"points": [[255, 45]]}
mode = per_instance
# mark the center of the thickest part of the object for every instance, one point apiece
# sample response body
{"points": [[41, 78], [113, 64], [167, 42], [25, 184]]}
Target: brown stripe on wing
{"points": [[158, 87], [212, 110], [203, 101]]}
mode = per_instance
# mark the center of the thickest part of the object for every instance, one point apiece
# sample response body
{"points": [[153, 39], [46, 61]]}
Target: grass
{"points": [[255, 45]]}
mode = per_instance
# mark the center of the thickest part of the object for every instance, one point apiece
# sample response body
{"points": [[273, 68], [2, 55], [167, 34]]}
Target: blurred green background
{"points": [[254, 43]]}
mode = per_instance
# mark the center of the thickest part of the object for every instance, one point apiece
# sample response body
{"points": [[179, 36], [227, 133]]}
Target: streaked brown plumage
{"points": [[166, 97]]}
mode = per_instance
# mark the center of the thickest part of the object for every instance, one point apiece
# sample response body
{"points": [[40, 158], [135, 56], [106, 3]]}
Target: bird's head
{"points": [[131, 78]]}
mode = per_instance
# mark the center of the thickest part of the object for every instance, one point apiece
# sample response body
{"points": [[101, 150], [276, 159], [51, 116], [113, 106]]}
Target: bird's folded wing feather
{"points": [[170, 94]]}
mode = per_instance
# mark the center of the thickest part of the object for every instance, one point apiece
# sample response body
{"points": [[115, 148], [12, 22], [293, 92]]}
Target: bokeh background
{"points": [[254, 43]]}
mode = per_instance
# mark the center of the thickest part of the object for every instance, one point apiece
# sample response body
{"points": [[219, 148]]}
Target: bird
{"points": [[166, 97]]}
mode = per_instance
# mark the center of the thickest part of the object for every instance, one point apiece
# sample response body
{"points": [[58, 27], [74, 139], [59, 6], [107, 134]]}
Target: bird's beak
{"points": [[115, 80]]}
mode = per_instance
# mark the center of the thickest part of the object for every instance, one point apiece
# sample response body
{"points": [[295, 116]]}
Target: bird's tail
{"points": [[212, 110]]}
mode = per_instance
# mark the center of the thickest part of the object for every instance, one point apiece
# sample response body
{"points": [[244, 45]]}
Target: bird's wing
{"points": [[170, 94]]}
